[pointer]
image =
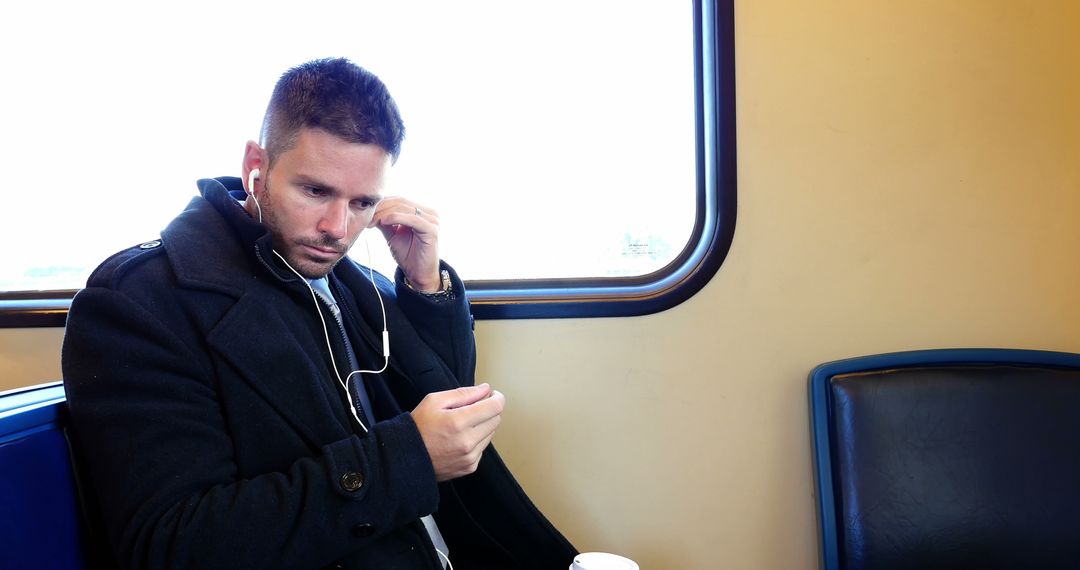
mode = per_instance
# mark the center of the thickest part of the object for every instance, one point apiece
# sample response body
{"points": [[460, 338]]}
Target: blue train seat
{"points": [[959, 458], [40, 518]]}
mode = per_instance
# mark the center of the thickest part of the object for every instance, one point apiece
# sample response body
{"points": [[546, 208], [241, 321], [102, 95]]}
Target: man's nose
{"points": [[335, 221]]}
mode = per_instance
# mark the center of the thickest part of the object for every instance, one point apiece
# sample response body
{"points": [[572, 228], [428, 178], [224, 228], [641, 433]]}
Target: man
{"points": [[212, 374]]}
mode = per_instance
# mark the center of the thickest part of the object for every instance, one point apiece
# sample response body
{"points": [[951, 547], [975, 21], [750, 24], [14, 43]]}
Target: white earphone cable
{"points": [[446, 558], [326, 333]]}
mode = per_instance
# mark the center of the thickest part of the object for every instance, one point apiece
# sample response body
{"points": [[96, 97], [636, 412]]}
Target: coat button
{"points": [[363, 530], [352, 481], [150, 244]]}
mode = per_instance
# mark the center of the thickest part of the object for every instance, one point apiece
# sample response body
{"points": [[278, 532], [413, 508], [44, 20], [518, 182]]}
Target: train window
{"points": [[580, 154]]}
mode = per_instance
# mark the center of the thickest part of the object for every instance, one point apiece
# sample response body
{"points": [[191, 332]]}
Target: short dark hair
{"points": [[337, 96]]}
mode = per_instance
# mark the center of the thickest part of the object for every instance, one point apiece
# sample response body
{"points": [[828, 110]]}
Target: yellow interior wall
{"points": [[29, 356], [909, 177]]}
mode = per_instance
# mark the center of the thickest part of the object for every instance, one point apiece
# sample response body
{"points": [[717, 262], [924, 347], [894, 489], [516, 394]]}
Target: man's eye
{"points": [[314, 191], [364, 204]]}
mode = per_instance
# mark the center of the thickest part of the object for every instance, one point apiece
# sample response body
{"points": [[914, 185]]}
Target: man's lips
{"points": [[321, 251]]}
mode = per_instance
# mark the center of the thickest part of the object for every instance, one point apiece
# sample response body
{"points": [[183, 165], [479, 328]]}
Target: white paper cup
{"points": [[602, 561]]}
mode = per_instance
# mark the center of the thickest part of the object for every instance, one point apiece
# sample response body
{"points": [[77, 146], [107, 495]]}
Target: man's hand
{"points": [[456, 426], [412, 232]]}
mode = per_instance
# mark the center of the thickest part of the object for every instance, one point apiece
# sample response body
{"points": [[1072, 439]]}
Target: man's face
{"points": [[319, 196]]}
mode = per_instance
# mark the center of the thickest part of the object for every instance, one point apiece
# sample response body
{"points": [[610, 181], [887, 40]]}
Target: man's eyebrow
{"points": [[308, 180]]}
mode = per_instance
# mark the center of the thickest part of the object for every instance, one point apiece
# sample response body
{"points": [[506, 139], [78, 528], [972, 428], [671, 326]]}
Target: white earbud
{"points": [[251, 190], [251, 180]]}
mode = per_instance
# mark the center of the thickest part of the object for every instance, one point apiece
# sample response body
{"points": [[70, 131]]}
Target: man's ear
{"points": [[255, 159]]}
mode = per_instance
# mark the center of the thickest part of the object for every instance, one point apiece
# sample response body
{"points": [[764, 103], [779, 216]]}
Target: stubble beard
{"points": [[288, 249]]}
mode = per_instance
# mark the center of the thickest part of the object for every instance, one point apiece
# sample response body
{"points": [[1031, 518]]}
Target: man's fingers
{"points": [[483, 410], [461, 397], [471, 459], [395, 211], [487, 428]]}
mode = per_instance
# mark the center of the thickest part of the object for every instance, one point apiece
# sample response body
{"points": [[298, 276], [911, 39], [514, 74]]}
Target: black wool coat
{"points": [[213, 432]]}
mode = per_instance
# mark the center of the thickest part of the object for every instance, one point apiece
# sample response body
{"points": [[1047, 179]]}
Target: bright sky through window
{"points": [[556, 139]]}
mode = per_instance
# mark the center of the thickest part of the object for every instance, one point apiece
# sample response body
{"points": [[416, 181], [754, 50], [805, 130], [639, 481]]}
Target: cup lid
{"points": [[602, 561]]}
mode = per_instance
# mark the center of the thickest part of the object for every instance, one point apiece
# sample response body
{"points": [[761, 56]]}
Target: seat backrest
{"points": [[40, 521], [948, 459]]}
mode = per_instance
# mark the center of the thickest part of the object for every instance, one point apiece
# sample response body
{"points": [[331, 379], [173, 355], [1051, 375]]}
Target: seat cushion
{"points": [[958, 467]]}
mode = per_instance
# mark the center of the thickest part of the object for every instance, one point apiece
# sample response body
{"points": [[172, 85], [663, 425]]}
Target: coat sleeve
{"points": [[157, 447], [444, 325]]}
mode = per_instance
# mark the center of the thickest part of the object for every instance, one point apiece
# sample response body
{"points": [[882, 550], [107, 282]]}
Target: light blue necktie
{"points": [[323, 289]]}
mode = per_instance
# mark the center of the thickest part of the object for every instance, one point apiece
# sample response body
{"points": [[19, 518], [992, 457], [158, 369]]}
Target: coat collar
{"points": [[199, 229]]}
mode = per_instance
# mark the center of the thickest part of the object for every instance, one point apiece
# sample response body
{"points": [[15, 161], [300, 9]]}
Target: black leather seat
{"points": [[949, 459]]}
